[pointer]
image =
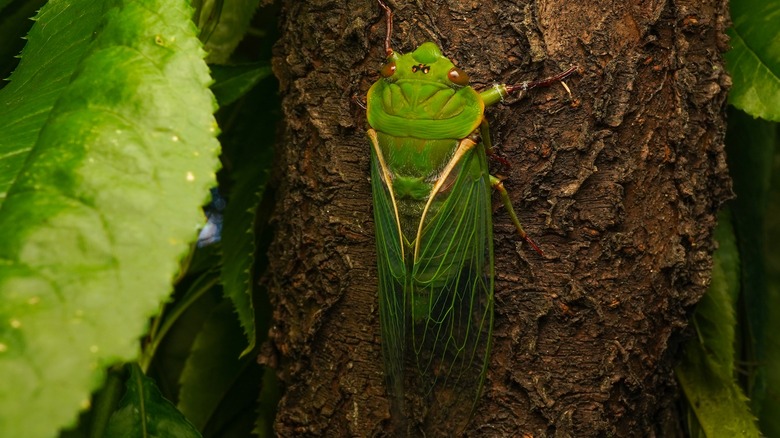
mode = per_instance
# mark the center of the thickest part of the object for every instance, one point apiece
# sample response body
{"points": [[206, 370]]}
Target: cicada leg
{"points": [[359, 101], [484, 132], [499, 92], [499, 186]]}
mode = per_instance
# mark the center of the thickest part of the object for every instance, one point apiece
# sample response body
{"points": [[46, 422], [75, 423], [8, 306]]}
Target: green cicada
{"points": [[434, 235]]}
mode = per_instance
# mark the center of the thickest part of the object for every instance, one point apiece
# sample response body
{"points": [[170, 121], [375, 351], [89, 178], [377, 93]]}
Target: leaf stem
{"points": [[106, 402], [197, 291]]}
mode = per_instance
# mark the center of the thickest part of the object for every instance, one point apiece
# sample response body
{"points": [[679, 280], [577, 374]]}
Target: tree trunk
{"points": [[619, 184]]}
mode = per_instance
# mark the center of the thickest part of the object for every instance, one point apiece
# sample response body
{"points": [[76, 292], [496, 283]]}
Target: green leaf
{"points": [[706, 373], [232, 82], [212, 366], [754, 59], [267, 403], [238, 243], [4, 4], [117, 141], [223, 25], [768, 409], [15, 23], [749, 146], [248, 154], [715, 317], [198, 290], [143, 412], [49, 59]]}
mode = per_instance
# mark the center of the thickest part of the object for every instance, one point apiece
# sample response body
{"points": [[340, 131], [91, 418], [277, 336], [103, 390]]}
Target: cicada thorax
{"points": [[414, 165]]}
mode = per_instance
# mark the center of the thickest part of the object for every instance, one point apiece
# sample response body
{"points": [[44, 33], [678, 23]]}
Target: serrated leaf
{"points": [[706, 373], [715, 317], [754, 58], [238, 246], [720, 407], [212, 366], [144, 413], [248, 150], [55, 47], [109, 196], [15, 23]]}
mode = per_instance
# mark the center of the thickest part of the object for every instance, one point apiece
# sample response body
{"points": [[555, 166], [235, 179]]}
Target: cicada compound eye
{"points": [[458, 76], [388, 70]]}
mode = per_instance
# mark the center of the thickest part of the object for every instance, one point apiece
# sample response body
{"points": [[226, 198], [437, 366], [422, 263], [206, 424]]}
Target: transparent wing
{"points": [[451, 291], [392, 280]]}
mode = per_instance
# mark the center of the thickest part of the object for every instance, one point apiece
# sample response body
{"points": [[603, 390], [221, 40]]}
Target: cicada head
{"points": [[425, 85], [426, 64]]}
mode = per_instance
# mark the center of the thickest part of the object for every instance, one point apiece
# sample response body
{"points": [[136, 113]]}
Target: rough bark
{"points": [[619, 185]]}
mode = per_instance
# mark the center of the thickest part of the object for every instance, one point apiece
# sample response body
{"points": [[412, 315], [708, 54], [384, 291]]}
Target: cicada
{"points": [[434, 235]]}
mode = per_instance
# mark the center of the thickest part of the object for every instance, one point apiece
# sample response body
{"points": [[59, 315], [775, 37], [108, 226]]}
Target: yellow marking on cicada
{"points": [[388, 178]]}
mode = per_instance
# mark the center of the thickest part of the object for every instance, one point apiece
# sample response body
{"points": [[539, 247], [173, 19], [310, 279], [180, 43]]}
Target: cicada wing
{"points": [[392, 278], [452, 291]]}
